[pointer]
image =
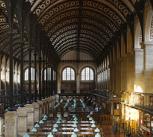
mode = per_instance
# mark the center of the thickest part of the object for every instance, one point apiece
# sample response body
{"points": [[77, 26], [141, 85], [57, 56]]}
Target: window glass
{"points": [[87, 74], [68, 74], [26, 74]]}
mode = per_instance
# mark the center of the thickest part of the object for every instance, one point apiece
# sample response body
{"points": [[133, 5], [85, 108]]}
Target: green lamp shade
{"points": [[58, 115], [97, 130], [26, 135], [74, 125], [90, 118], [41, 122], [97, 135], [54, 129], [75, 118], [50, 135], [92, 122], [34, 129], [76, 130], [58, 121], [74, 135], [93, 125], [55, 125], [37, 125], [44, 118]]}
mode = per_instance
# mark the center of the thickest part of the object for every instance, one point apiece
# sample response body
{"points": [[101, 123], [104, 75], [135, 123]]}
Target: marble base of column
{"points": [[40, 108], [22, 121], [36, 111], [1, 125], [11, 124], [30, 113]]}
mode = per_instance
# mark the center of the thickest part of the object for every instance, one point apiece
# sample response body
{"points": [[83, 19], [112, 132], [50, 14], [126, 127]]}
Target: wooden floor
{"points": [[107, 129]]}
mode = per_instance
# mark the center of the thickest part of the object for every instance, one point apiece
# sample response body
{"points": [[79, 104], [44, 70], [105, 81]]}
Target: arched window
{"points": [[87, 74], [48, 74], [26, 74], [68, 74]]}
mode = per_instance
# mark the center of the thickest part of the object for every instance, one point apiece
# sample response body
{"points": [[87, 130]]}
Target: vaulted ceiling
{"points": [[85, 25], [81, 25]]}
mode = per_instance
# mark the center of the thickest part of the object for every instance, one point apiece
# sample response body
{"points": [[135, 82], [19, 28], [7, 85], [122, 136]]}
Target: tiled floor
{"points": [[109, 133]]}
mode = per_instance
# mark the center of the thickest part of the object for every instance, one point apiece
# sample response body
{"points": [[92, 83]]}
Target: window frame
{"points": [[27, 75], [87, 77], [72, 74], [49, 70]]}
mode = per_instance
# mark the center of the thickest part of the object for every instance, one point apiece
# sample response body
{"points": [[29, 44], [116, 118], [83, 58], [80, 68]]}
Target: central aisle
{"points": [[73, 117]]}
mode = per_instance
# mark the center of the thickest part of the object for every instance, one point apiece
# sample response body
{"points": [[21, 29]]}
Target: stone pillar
{"points": [[1, 125], [139, 68], [123, 74], [22, 121], [36, 111], [139, 60], [11, 124], [148, 67], [30, 114], [130, 71]]}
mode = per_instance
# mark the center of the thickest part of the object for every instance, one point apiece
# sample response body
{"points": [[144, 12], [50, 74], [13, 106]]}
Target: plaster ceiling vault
{"points": [[85, 25]]}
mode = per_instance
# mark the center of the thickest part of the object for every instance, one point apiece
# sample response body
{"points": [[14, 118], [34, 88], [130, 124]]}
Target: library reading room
{"points": [[76, 68]]}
